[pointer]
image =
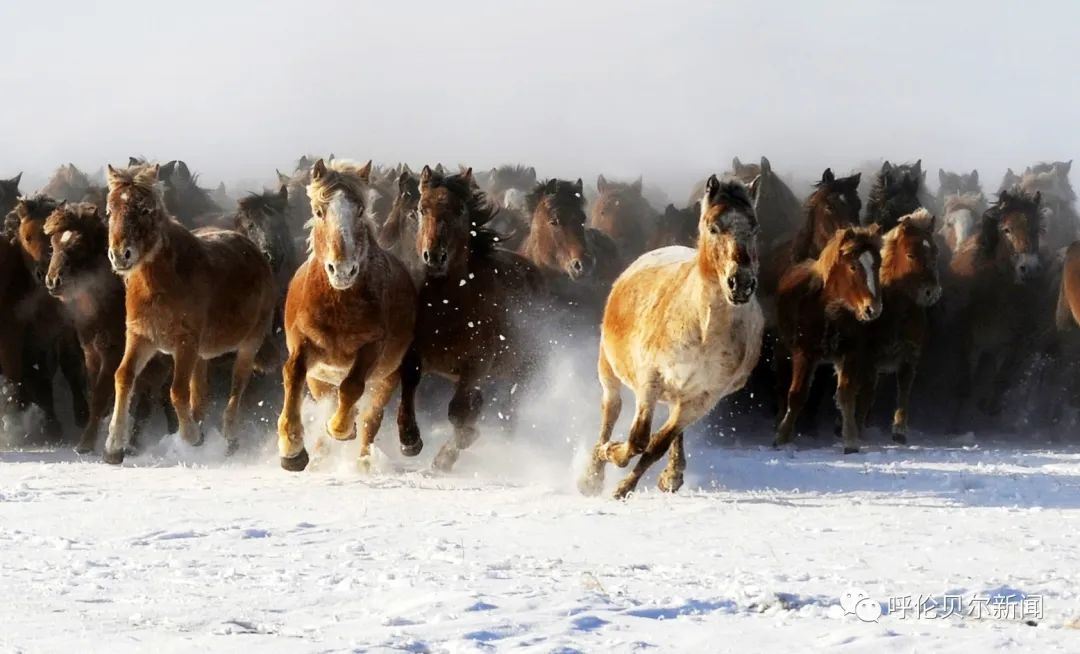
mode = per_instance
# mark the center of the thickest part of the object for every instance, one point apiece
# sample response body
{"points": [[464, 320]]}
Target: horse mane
{"points": [[341, 174], [482, 239], [1042, 179], [958, 201], [79, 217], [845, 241], [1017, 199], [920, 219], [515, 175], [38, 205], [566, 193], [267, 201]]}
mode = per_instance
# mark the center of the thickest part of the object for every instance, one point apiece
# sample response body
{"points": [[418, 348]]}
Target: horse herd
{"points": [[130, 288]]}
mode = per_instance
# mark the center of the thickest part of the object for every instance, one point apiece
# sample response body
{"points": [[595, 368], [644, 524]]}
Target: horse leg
{"points": [[905, 380], [671, 480], [682, 414], [199, 390], [290, 427], [73, 368], [241, 375], [137, 352], [864, 400], [848, 384], [342, 425], [371, 420], [11, 361], [802, 369], [610, 406], [101, 379], [638, 438], [408, 432], [463, 413]]}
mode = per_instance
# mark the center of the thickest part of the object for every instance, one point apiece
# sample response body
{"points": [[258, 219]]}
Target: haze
{"points": [[668, 89]]}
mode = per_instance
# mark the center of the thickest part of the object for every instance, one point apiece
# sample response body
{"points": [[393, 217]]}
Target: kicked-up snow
{"points": [[803, 550]]}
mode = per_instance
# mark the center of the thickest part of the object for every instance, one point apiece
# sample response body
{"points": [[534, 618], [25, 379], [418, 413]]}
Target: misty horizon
{"points": [[670, 91]]}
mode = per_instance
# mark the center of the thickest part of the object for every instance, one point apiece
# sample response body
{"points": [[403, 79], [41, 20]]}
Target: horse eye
{"points": [[554, 221], [1006, 230], [146, 211], [910, 256], [318, 213], [714, 229]]}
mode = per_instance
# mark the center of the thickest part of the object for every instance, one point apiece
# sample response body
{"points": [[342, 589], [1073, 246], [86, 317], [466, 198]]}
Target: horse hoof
{"points": [[623, 491], [231, 447], [363, 464], [296, 463], [341, 436], [590, 484], [413, 448], [780, 443], [84, 448], [900, 439], [670, 483], [849, 449], [113, 458], [444, 460]]}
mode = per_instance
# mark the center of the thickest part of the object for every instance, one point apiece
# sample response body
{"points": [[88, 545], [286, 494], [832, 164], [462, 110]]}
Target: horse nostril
{"points": [[731, 283], [427, 256], [330, 268], [576, 265], [353, 270], [127, 254]]}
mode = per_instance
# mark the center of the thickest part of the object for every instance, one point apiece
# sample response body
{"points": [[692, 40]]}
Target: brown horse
{"points": [[822, 306], [398, 233], [898, 190], [894, 341], [676, 227], [80, 277], [264, 218], [477, 309], [994, 283], [349, 316], [194, 296], [621, 212], [191, 204], [69, 184], [956, 184], [682, 327], [1061, 223]]}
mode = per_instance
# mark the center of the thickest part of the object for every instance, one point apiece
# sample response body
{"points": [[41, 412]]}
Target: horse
{"points": [[963, 212], [398, 233], [950, 183], [477, 310], [299, 207], [683, 327], [264, 218], [69, 184], [898, 190], [79, 276], [675, 227], [192, 295], [1061, 221], [823, 305], [51, 343], [776, 206], [191, 204], [623, 213], [9, 193], [349, 316], [994, 282], [894, 342]]}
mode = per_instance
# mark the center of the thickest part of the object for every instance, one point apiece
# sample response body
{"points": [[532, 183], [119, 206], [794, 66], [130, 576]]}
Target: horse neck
{"points": [[703, 282], [537, 247]]}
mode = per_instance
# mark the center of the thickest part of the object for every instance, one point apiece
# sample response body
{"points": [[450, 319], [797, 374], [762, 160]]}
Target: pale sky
{"points": [[668, 89]]}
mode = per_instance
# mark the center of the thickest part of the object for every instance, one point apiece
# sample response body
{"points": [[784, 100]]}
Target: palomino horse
{"points": [[349, 316], [476, 319], [579, 263], [194, 296], [821, 307], [995, 284], [897, 191], [623, 213], [80, 277], [682, 327], [894, 342], [52, 342]]}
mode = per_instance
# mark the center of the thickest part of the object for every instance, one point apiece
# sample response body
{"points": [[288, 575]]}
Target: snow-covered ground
{"points": [[180, 551]]}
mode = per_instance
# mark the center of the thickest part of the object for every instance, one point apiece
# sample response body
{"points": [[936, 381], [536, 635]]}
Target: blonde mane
{"points": [[79, 216], [341, 174], [142, 177], [919, 219], [958, 201]]}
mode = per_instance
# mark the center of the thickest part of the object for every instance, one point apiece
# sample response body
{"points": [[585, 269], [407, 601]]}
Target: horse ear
{"points": [[15, 180], [670, 211], [401, 181], [766, 167], [532, 173], [636, 186], [154, 171], [365, 170], [425, 176], [467, 176], [132, 161], [827, 177], [1065, 167], [874, 229], [846, 233], [405, 169], [941, 176], [601, 184], [975, 176], [735, 163], [550, 185], [712, 186], [579, 187], [182, 169], [282, 179], [318, 171]]}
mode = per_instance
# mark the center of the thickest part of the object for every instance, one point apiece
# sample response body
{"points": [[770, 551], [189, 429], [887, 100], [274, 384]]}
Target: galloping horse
{"points": [[193, 295], [477, 309], [898, 190], [821, 307], [623, 213], [682, 327], [349, 315]]}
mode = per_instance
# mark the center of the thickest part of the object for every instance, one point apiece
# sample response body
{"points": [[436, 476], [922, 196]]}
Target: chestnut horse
{"points": [[995, 285], [623, 213], [477, 310], [682, 327], [895, 340], [349, 316], [80, 277], [822, 306], [193, 295], [579, 263]]}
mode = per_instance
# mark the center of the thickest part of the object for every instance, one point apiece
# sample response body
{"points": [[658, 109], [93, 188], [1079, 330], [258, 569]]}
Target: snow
{"points": [[180, 550]]}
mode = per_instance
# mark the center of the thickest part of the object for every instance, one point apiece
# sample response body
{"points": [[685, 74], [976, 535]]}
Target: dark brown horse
{"points": [[79, 276], [898, 190], [191, 204], [52, 344], [895, 340], [621, 212], [995, 283], [195, 296], [950, 183], [476, 318], [349, 316], [264, 218], [676, 227], [398, 233], [823, 306]]}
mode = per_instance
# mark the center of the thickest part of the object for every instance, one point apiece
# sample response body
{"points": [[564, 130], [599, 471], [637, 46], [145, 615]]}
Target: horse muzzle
{"points": [[1027, 267], [436, 261], [869, 312], [741, 287], [342, 275], [929, 295], [54, 284], [579, 267], [122, 259]]}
